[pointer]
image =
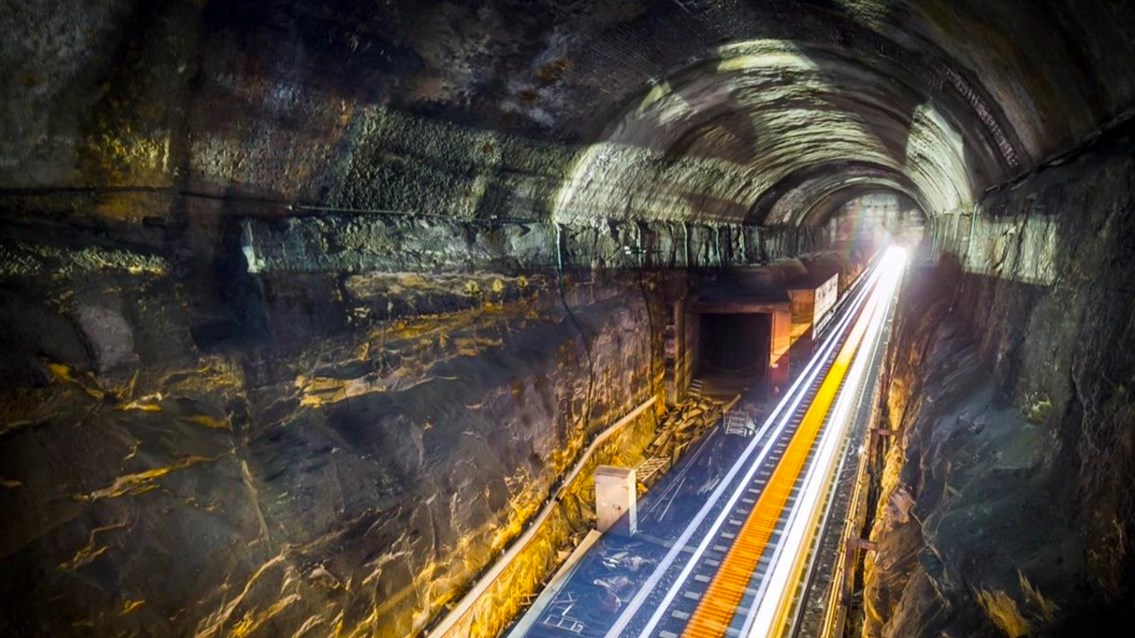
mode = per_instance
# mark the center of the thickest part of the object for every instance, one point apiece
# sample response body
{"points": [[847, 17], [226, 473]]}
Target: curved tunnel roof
{"points": [[719, 111]]}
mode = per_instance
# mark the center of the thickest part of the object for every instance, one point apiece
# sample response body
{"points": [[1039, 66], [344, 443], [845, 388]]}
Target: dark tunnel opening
{"points": [[735, 345]]}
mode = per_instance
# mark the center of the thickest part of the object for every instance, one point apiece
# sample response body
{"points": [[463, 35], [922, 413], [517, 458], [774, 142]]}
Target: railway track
{"points": [[733, 568]]}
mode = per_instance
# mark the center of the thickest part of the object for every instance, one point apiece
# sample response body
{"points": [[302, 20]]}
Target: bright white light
{"points": [[778, 587], [894, 260], [875, 294], [783, 412]]}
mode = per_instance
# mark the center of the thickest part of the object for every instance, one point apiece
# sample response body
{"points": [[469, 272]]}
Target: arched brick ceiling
{"points": [[710, 141], [578, 111]]}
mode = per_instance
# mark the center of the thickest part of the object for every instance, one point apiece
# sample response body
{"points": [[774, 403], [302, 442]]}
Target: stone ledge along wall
{"points": [[344, 460], [1007, 501]]}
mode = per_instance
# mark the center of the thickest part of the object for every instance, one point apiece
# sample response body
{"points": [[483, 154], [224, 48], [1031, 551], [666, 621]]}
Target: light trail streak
{"points": [[718, 604], [786, 407], [769, 616]]}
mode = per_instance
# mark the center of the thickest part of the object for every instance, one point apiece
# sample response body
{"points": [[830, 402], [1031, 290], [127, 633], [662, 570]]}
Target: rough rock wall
{"points": [[344, 462], [970, 541], [389, 397], [1007, 503]]}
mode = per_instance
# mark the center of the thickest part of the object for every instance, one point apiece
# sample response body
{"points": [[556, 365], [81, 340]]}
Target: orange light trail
{"points": [[719, 603]]}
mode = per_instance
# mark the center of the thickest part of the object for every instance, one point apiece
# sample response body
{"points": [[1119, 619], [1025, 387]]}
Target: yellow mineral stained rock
{"points": [[140, 482]]}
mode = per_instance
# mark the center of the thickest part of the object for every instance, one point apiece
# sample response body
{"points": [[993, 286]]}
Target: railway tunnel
{"points": [[312, 310]]}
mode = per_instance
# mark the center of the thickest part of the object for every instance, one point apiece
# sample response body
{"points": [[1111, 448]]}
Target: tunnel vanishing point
{"points": [[324, 317]]}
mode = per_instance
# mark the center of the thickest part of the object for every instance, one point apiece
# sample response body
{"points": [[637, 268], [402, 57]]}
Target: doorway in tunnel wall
{"points": [[735, 346]]}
